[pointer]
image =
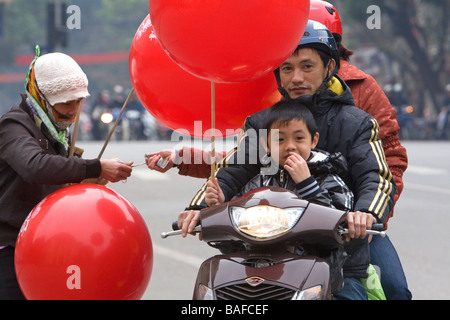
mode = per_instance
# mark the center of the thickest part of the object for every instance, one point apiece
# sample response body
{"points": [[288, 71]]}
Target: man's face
{"points": [[303, 73]]}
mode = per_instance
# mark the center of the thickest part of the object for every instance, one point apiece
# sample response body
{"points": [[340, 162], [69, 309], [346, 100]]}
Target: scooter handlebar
{"points": [[376, 230], [178, 232], [378, 227]]}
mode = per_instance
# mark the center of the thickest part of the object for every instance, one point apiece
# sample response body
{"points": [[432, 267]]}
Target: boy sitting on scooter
{"points": [[311, 174]]}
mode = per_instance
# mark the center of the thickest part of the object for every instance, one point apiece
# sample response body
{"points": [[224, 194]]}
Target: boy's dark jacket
{"points": [[324, 187]]}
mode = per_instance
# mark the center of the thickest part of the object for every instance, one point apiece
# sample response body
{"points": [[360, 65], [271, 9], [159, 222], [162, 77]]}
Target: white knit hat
{"points": [[60, 78]]}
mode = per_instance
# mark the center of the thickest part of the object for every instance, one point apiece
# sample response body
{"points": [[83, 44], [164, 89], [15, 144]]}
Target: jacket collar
{"points": [[320, 103], [24, 106]]}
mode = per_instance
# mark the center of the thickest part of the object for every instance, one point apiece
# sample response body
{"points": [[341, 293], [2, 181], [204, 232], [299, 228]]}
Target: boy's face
{"points": [[303, 73], [293, 136]]}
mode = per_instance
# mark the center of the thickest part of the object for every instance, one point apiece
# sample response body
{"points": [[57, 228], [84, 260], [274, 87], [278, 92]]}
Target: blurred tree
{"points": [[21, 26], [122, 19], [106, 25], [414, 33]]}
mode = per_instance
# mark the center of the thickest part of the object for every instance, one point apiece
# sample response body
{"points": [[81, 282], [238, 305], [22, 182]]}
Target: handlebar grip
{"points": [[175, 226], [378, 227]]}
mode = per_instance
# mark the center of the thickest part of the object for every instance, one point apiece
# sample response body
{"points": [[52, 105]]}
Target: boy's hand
{"points": [[213, 193], [297, 167]]}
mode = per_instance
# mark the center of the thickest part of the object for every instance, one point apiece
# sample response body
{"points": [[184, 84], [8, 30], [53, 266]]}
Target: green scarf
{"points": [[40, 116], [37, 104]]}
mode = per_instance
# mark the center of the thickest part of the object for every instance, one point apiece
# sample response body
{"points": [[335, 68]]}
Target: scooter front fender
{"points": [[237, 277]]}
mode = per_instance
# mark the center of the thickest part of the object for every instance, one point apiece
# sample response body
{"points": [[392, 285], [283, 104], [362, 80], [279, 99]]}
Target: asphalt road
{"points": [[418, 228]]}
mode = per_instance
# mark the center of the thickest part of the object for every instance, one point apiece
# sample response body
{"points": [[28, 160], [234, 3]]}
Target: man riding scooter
{"points": [[309, 76]]}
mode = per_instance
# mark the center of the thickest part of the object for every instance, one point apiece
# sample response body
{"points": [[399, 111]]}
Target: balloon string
{"points": [[213, 125], [116, 123], [75, 132]]}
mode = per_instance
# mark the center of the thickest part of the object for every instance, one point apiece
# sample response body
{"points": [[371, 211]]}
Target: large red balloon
{"points": [[84, 241], [229, 40], [182, 101]]}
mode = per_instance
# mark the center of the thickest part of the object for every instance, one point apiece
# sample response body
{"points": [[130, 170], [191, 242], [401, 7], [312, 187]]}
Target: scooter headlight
{"points": [[265, 222]]}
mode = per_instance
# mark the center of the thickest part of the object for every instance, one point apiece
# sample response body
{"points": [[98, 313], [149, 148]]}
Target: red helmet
{"points": [[325, 13]]}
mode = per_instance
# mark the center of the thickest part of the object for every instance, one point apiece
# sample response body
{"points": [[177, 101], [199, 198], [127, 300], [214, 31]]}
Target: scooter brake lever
{"points": [[178, 232], [371, 232]]}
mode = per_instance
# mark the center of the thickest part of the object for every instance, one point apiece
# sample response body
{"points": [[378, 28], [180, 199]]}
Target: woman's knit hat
{"points": [[60, 78]]}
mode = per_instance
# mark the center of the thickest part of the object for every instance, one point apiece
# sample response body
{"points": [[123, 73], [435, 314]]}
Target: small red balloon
{"points": [[232, 40], [182, 101], [85, 242]]}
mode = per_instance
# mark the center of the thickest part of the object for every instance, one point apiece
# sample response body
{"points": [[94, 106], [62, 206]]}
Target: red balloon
{"points": [[232, 40], [86, 242], [182, 101]]}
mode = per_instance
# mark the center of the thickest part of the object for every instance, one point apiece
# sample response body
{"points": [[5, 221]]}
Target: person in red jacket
{"points": [[369, 97]]}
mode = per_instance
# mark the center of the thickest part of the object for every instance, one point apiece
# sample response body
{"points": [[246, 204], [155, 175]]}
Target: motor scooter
{"points": [[274, 246]]}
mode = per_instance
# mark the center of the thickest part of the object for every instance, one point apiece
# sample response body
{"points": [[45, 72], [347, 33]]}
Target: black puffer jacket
{"points": [[342, 128], [324, 187], [32, 165]]}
